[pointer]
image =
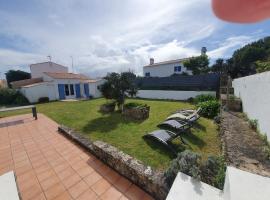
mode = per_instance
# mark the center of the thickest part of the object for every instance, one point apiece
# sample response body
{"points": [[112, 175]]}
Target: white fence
{"points": [[255, 94], [173, 95]]}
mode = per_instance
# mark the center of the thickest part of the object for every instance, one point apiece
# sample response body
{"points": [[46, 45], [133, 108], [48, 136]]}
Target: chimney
{"points": [[203, 51], [152, 61]]}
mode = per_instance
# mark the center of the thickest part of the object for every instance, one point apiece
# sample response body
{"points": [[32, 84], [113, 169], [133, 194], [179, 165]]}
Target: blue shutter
{"points": [[78, 90], [86, 90], [61, 91]]}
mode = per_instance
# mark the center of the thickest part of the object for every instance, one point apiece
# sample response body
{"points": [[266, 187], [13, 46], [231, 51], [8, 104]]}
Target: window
{"points": [[177, 69], [147, 74], [71, 89], [67, 89]]}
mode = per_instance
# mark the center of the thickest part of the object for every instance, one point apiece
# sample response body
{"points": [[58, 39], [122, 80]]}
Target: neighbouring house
{"points": [[52, 80], [168, 68], [3, 84]]}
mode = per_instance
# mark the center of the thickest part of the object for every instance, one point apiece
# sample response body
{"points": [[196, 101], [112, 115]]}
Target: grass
{"points": [[84, 116]]}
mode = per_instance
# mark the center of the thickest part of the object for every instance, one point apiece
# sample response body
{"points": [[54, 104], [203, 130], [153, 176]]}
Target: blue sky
{"points": [[115, 35]]}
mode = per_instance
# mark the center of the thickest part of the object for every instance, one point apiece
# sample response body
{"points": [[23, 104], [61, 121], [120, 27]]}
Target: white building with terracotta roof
{"points": [[52, 80]]}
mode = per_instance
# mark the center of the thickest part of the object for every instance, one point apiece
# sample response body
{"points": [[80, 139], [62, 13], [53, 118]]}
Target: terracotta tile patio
{"points": [[49, 166]]}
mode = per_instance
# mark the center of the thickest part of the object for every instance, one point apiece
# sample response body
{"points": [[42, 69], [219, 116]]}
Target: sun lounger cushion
{"points": [[174, 124]]}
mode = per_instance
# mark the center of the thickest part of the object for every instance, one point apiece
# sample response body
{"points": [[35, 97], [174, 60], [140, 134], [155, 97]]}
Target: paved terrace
{"points": [[49, 166]]}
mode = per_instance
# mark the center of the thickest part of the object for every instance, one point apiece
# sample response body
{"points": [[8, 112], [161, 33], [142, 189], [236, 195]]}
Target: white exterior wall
{"points": [[93, 88], [254, 92], [165, 70], [38, 69], [174, 95], [33, 93]]}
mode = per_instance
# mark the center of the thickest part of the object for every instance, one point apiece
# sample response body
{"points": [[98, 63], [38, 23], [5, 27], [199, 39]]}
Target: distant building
{"points": [[168, 68], [55, 82], [165, 69]]}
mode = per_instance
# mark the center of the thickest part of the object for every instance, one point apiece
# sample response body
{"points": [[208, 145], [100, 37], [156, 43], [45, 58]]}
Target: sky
{"points": [[115, 35]]}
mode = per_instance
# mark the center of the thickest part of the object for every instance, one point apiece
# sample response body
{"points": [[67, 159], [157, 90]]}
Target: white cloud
{"points": [[105, 35]]}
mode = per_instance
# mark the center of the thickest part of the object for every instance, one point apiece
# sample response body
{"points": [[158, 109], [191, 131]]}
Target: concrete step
{"points": [[242, 185], [188, 188]]}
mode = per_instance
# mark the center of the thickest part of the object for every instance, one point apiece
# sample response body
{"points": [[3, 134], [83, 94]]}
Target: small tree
{"points": [[198, 65], [118, 86]]}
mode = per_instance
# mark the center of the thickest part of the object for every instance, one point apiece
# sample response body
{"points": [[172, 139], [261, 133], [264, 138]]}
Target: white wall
{"points": [[174, 95], [34, 92], [164, 70], [38, 69], [93, 88], [255, 94]]}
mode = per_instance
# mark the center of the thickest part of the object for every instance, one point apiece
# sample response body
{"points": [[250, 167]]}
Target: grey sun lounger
{"points": [[184, 117], [164, 136], [174, 124]]}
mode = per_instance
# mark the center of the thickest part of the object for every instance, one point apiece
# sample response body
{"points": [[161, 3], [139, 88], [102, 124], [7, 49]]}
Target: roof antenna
{"points": [[50, 58], [72, 66]]}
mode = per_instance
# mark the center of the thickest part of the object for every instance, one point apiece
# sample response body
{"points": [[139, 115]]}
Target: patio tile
{"points": [[45, 174], [49, 182], [122, 184], [31, 192], [50, 166], [92, 178], [134, 193], [87, 195], [77, 189], [63, 196], [54, 191], [111, 194], [83, 172], [112, 176], [101, 186], [71, 180]]}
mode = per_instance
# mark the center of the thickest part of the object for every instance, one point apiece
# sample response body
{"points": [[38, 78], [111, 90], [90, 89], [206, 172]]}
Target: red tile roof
{"points": [[18, 84], [66, 76]]}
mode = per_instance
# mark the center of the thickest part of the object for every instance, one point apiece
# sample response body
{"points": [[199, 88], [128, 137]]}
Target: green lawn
{"points": [[126, 134]]}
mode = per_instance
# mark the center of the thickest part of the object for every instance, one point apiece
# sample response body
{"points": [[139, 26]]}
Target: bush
{"points": [[43, 100], [133, 105], [212, 171], [253, 123], [187, 162], [203, 98], [12, 97], [209, 109]]}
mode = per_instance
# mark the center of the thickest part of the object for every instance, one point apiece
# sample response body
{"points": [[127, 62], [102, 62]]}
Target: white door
{"points": [[70, 91]]}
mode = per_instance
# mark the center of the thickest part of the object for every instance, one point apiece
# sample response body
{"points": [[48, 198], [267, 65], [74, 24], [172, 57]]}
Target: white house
{"points": [[166, 68], [55, 82]]}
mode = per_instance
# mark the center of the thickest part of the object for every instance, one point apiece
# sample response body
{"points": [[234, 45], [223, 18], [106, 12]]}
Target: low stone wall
{"points": [[150, 180], [138, 113]]}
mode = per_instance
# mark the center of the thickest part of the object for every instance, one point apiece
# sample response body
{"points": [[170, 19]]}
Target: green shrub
{"points": [[203, 98], [133, 105], [43, 100], [209, 109], [253, 123], [187, 162], [211, 171], [12, 97]]}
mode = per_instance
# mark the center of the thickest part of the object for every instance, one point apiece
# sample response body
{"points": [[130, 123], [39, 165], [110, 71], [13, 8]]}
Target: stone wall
{"points": [[138, 113], [148, 179]]}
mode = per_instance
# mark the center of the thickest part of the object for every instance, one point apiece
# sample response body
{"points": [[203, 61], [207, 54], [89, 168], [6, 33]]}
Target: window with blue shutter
{"points": [[147, 74], [177, 69]]}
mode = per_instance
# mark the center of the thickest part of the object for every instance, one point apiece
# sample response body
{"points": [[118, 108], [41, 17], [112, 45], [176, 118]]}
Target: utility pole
{"points": [[72, 64], [50, 58]]}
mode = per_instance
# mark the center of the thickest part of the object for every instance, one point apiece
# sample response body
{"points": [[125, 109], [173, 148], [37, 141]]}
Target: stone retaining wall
{"points": [[150, 180]]}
